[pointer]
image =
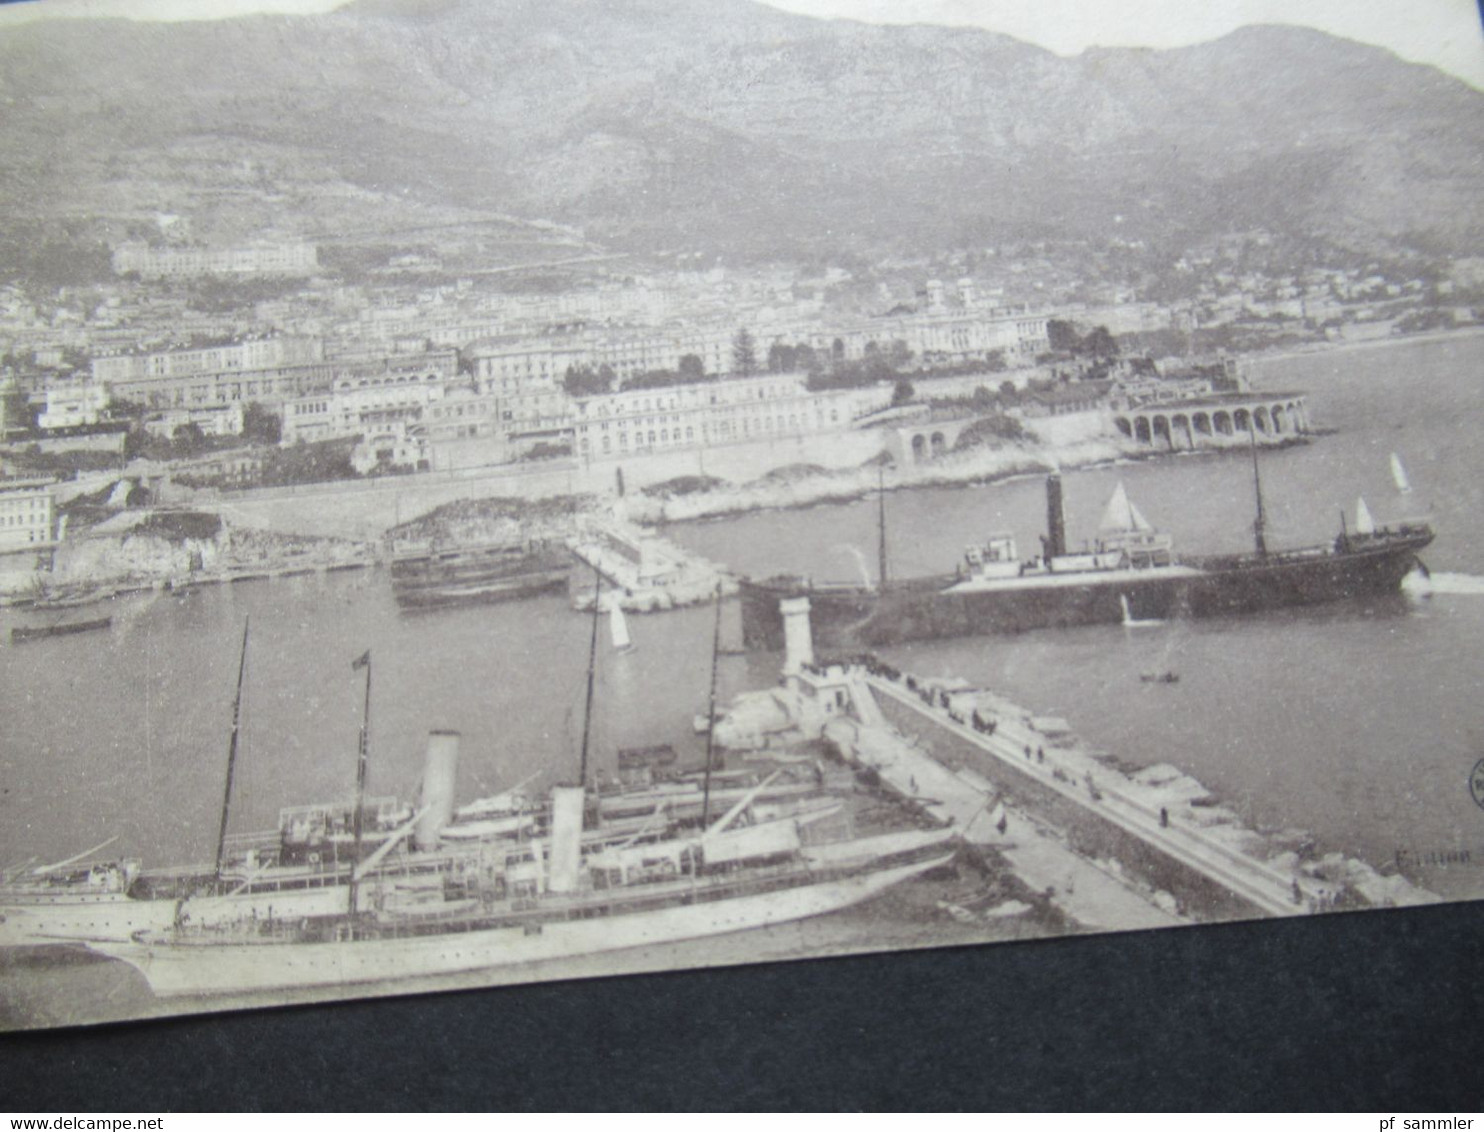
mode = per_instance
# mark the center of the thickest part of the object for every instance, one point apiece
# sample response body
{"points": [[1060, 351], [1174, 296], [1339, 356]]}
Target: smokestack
{"points": [[566, 838], [439, 773], [798, 639], [1056, 520]]}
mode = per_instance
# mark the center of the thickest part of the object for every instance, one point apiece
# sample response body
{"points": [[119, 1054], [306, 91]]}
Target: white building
{"points": [[293, 257], [25, 513], [715, 412], [73, 403]]}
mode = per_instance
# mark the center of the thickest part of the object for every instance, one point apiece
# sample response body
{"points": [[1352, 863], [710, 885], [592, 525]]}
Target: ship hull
{"points": [[244, 968], [119, 916], [480, 575], [930, 608]]}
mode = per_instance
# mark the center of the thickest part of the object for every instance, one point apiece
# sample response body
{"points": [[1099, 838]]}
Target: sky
{"points": [[1444, 33]]}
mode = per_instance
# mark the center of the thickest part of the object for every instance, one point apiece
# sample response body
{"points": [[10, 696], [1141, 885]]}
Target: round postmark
{"points": [[1476, 783]]}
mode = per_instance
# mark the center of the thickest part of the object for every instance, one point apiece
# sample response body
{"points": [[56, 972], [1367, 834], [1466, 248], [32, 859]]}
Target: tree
{"points": [[188, 438], [691, 367], [744, 353], [261, 424], [583, 381], [1100, 344], [903, 392], [1062, 336], [780, 358]]}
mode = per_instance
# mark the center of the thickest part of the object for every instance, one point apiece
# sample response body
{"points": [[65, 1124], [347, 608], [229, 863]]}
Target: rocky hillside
{"points": [[662, 124]]}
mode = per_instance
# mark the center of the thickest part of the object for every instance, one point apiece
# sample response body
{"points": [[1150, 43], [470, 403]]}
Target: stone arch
{"points": [[1180, 430], [1162, 430], [1124, 428], [939, 444], [1280, 419], [1202, 424], [919, 447], [1222, 423], [1242, 420], [1141, 430], [1260, 419]]}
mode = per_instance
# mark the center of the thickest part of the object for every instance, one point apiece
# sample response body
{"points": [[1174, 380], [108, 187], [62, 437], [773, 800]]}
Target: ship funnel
{"points": [[798, 638], [566, 838], [1056, 520], [439, 773]]}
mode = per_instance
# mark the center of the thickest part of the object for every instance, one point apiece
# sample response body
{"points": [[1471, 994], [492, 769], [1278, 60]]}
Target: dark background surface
{"points": [[1372, 1011]]}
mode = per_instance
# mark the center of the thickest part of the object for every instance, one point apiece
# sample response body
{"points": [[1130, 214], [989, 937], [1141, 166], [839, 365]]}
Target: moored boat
{"points": [[542, 902], [498, 572], [1130, 575], [20, 633]]}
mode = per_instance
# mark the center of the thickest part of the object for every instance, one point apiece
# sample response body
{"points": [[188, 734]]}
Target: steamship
{"points": [[1131, 575], [544, 899]]}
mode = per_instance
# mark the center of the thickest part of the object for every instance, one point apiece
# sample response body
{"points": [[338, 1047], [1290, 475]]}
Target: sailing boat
{"points": [[1132, 622], [1364, 523], [618, 626], [1399, 475]]}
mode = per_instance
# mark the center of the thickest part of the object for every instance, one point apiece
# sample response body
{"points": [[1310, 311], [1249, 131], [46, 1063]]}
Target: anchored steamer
{"points": [[1131, 575]]}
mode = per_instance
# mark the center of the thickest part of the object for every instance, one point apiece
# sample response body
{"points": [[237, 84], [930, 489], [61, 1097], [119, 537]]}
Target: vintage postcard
{"points": [[496, 493]]}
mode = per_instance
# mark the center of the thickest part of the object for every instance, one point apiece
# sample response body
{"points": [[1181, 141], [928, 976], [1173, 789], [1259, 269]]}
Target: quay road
{"points": [[1092, 894], [1274, 892]]}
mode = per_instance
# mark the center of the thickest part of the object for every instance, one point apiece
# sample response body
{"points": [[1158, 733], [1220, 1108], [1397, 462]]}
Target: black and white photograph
{"points": [[503, 492]]}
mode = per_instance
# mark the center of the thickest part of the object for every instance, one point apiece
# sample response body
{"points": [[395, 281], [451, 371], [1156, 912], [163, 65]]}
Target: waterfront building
{"points": [[26, 508], [356, 404], [715, 412]]}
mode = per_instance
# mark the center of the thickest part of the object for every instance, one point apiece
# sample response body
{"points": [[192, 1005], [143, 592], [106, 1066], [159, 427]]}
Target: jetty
{"points": [[647, 573], [1112, 848]]}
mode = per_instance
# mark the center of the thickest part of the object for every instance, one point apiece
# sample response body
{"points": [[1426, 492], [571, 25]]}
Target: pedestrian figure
{"points": [[1027, 750], [1164, 818], [1003, 824], [912, 781], [1040, 755]]}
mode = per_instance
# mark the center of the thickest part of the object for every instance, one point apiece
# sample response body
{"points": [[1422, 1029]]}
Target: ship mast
{"points": [[221, 837], [1259, 524], [363, 661], [592, 662], [881, 522], [711, 715]]}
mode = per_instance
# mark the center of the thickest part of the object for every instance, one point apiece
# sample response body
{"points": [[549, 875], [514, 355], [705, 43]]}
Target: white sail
{"points": [[1399, 475], [618, 627], [1364, 524], [1121, 515]]}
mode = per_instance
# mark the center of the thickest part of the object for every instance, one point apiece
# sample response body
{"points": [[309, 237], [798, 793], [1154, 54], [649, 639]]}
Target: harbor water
{"points": [[1357, 722]]}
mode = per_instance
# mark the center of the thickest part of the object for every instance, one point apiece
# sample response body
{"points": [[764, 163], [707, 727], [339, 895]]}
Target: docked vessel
{"points": [[1130, 575], [541, 901], [20, 633], [500, 572]]}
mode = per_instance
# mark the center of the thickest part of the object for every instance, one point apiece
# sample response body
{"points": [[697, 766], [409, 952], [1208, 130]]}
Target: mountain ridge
{"points": [[730, 125]]}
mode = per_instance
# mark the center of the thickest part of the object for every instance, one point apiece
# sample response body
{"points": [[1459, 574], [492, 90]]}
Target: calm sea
{"points": [[1359, 723]]}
